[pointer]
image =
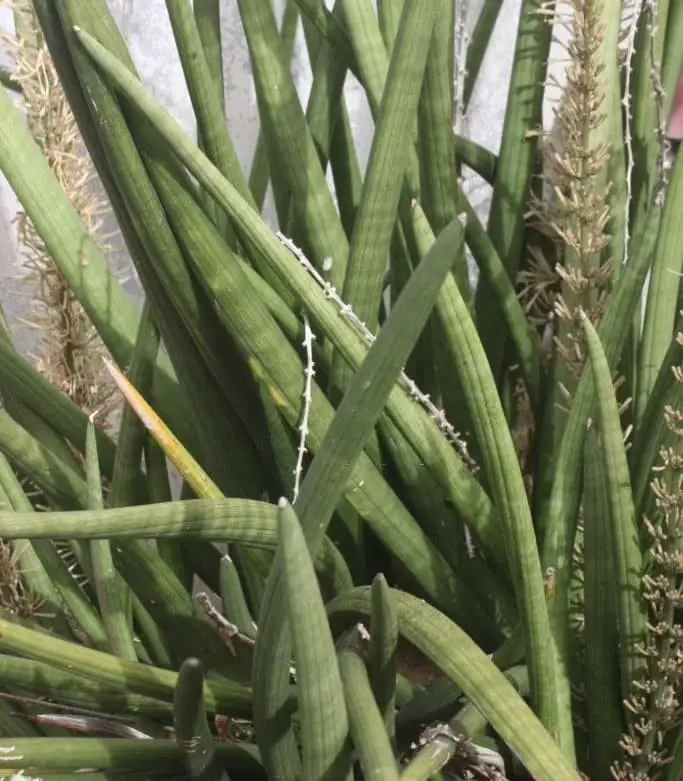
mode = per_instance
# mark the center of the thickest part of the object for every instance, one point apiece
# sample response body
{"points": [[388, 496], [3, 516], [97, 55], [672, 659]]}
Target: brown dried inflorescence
{"points": [[570, 272], [69, 352], [655, 701]]}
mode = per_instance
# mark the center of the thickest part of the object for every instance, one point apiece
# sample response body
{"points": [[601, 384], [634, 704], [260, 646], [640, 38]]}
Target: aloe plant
{"points": [[437, 526]]}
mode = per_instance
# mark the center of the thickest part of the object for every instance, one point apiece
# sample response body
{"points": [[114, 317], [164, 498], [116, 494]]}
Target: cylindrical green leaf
{"points": [[285, 124], [73, 249], [60, 480], [79, 607], [478, 45], [112, 592], [192, 732], [131, 437], [416, 425], [516, 159], [386, 166], [114, 754], [235, 606], [601, 656], [368, 729], [70, 687], [233, 520], [382, 651], [662, 298], [118, 674], [452, 651], [628, 560], [325, 748]]}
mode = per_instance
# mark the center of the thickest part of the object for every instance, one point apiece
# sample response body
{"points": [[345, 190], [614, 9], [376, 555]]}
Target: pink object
{"points": [[674, 127]]}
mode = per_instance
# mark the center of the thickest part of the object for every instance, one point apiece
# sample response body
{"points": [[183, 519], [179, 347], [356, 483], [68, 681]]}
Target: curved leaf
{"points": [[628, 560], [325, 746], [133, 677], [450, 649], [368, 729]]}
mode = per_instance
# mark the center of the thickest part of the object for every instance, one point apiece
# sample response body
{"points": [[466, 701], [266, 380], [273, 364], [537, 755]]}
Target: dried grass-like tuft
{"points": [[573, 213], [14, 595], [655, 702], [69, 351]]}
